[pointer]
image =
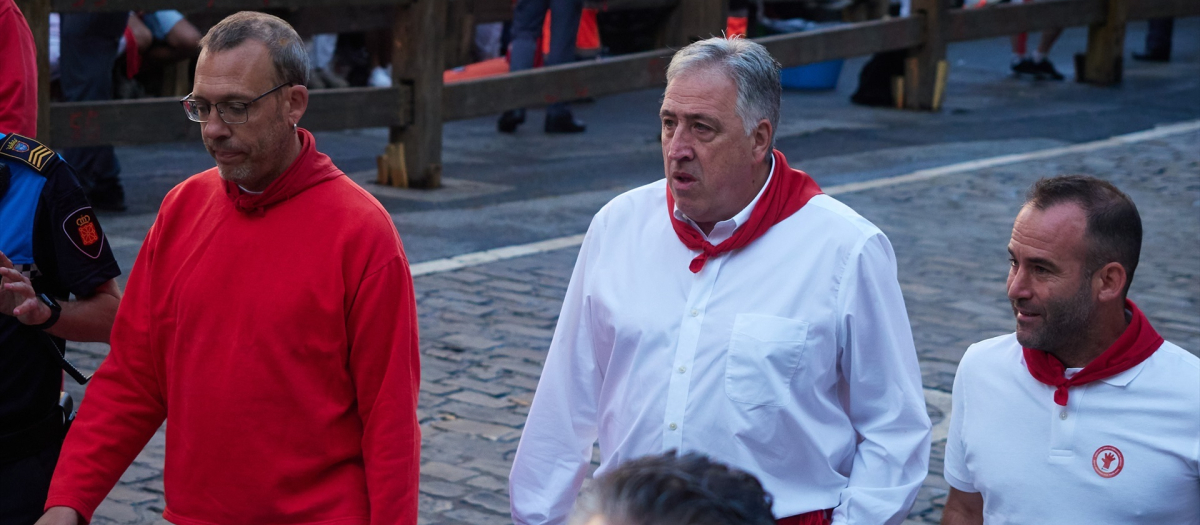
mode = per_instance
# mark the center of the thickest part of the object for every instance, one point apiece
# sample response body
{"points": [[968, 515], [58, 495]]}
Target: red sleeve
{"points": [[386, 369], [18, 73], [123, 405]]}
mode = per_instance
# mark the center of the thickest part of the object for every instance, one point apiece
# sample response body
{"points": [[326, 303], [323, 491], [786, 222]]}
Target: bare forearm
{"points": [[963, 508], [91, 318]]}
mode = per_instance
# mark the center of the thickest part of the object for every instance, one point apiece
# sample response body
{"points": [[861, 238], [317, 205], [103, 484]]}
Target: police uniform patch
{"points": [[27, 150], [84, 231]]}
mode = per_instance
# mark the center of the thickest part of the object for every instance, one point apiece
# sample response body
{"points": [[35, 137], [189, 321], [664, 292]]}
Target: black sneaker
{"points": [[510, 120], [1024, 66], [1045, 69]]}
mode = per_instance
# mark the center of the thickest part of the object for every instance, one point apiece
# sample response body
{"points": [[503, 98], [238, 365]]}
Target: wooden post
{"points": [[417, 61], [692, 20], [921, 67], [1104, 62], [37, 14]]}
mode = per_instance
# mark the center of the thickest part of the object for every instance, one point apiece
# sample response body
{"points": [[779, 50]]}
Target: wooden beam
{"points": [[921, 67], [193, 6], [1146, 9], [1010, 19], [866, 38], [488, 11], [152, 120], [418, 38], [1104, 62], [37, 15], [541, 86]]}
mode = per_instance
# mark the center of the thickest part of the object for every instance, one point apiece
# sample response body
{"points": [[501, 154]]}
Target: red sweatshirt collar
{"points": [[1138, 342], [787, 191], [310, 168]]}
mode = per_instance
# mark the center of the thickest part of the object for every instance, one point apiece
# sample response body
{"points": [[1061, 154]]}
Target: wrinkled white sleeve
{"points": [[881, 386], [556, 445]]}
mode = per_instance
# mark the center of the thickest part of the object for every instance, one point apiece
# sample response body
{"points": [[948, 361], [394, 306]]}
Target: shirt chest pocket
{"points": [[764, 354]]}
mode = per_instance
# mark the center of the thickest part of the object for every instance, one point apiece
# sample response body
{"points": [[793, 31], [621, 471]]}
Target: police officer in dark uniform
{"points": [[51, 247]]}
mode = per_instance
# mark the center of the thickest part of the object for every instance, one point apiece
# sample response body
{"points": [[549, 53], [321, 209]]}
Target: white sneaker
{"points": [[380, 77]]}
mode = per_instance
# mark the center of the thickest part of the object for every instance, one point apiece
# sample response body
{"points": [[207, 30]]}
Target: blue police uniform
{"points": [[50, 233]]}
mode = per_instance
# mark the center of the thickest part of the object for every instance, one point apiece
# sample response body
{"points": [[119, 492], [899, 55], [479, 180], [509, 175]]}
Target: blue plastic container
{"points": [[812, 77]]}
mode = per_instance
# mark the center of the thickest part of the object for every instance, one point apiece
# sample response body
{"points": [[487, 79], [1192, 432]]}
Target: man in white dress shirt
{"points": [[1085, 414], [735, 311]]}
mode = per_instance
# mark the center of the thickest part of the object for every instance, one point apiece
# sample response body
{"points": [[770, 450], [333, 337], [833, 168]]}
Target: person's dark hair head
{"points": [[1114, 227], [285, 46], [675, 490]]}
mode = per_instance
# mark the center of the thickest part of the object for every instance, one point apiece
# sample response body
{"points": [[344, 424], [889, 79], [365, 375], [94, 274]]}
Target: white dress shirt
{"points": [[1125, 449], [790, 358]]}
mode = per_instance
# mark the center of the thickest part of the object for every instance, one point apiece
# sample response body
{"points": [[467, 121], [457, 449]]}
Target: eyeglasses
{"points": [[230, 112]]}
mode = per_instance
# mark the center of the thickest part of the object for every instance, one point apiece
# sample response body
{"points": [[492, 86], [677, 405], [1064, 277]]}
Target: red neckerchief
{"points": [[786, 192], [1137, 343], [310, 168]]}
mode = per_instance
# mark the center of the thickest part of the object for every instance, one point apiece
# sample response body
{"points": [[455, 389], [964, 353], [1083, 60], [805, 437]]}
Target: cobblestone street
{"points": [[485, 328]]}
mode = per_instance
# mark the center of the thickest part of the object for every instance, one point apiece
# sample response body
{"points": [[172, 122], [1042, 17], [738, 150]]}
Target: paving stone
{"points": [[445, 471], [470, 342], [488, 483], [484, 400], [490, 388], [442, 489], [489, 500], [485, 430]]}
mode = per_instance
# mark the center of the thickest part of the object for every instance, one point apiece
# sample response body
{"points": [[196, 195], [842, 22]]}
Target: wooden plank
{"points": [[417, 59], [330, 19], [848, 41], [192, 6], [1104, 62], [1010, 19], [153, 120], [923, 62], [534, 87], [37, 15], [489, 11], [1145, 9], [692, 20]]}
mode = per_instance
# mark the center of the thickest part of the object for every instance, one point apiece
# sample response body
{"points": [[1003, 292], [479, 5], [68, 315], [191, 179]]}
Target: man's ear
{"points": [[762, 139], [1109, 282], [297, 99]]}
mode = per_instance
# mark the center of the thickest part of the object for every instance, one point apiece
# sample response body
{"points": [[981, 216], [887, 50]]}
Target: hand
{"points": [[17, 298], [60, 516]]}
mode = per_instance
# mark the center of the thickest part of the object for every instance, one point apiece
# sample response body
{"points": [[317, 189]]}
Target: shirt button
{"points": [[672, 426], [695, 312], [1062, 415], [683, 369]]}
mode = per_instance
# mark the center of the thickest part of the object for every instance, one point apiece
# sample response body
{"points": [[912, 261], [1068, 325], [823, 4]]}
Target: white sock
{"points": [[1038, 56]]}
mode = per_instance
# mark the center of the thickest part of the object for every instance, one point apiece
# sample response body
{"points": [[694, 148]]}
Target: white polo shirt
{"points": [[1125, 449]]}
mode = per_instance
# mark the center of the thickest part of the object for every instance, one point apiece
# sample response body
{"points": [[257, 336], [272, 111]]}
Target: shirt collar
{"points": [[724, 230]]}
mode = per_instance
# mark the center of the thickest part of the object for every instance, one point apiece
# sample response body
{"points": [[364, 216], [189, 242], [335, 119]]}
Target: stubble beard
{"points": [[271, 146], [1064, 322]]}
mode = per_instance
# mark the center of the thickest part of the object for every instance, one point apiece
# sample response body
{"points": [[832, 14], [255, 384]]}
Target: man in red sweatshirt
{"points": [[269, 318]]}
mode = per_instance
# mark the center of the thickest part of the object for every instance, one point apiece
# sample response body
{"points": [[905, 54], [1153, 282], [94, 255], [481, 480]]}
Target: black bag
{"points": [[875, 79]]}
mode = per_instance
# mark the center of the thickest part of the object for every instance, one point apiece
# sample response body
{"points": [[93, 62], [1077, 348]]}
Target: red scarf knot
{"points": [[1138, 342], [787, 191]]}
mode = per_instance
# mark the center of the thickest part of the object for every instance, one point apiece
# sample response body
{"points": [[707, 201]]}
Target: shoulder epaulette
{"points": [[29, 151]]}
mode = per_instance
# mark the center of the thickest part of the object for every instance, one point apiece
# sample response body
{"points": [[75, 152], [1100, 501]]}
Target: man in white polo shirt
{"points": [[1084, 415], [732, 310]]}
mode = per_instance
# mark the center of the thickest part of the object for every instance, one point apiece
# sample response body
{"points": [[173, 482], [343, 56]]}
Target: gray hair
{"points": [[285, 46], [754, 71]]}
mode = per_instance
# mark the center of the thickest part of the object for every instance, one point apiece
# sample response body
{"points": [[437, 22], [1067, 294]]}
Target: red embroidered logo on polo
{"points": [[1108, 461]]}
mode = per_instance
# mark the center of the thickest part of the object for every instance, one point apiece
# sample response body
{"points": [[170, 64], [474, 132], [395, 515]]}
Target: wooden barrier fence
{"points": [[418, 103]]}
